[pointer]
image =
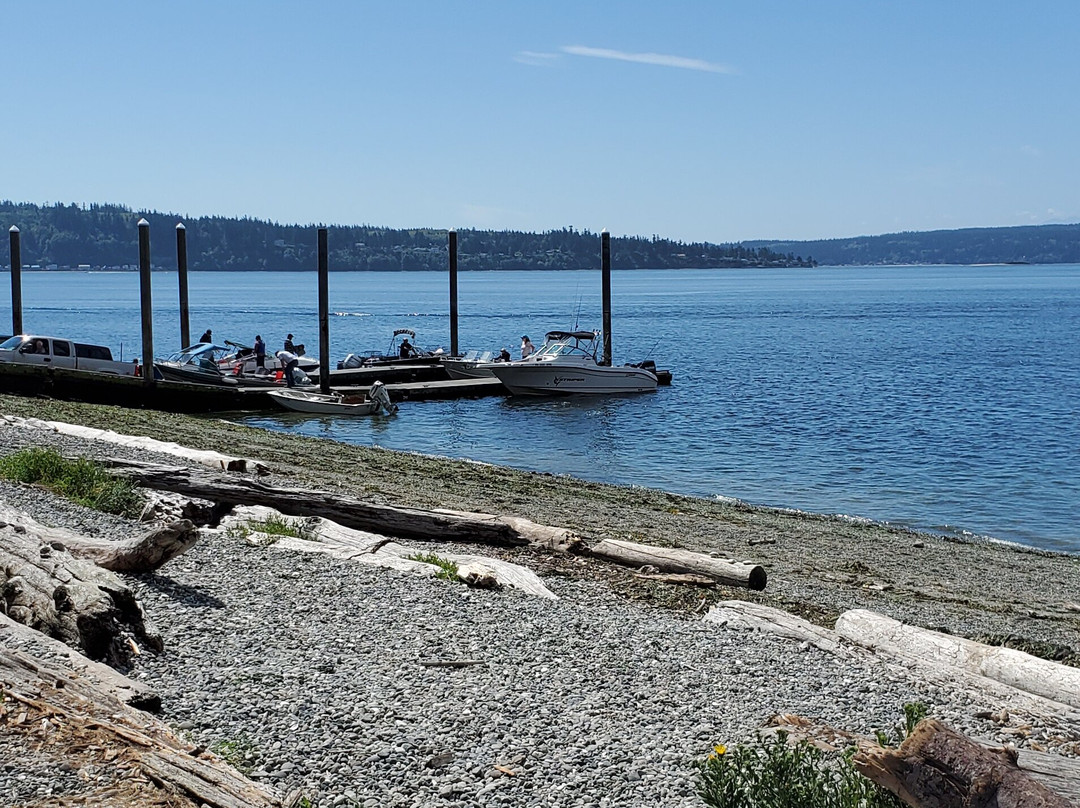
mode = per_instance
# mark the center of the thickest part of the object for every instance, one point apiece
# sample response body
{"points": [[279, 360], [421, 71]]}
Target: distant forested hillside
{"points": [[95, 236], [1043, 244]]}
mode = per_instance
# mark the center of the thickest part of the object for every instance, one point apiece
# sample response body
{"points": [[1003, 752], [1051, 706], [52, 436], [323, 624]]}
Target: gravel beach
{"points": [[308, 670]]}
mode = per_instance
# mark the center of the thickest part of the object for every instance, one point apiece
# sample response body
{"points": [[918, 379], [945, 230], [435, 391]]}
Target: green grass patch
{"points": [[274, 526], [448, 570], [80, 480], [241, 753]]}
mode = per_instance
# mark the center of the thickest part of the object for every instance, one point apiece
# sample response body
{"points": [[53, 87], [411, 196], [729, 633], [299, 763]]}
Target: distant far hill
{"points": [[106, 236], [1042, 244]]}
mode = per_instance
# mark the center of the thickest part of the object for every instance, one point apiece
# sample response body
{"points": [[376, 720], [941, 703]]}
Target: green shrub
{"points": [[80, 480], [775, 774]]}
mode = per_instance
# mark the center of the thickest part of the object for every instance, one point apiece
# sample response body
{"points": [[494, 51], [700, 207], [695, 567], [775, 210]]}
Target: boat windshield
{"points": [[477, 356], [204, 355], [567, 345]]}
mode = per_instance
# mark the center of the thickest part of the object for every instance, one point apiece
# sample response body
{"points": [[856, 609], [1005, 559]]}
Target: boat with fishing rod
{"points": [[566, 364], [400, 352]]}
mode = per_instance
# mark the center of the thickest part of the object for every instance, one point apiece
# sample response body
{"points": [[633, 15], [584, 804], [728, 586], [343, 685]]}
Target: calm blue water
{"points": [[943, 398]]}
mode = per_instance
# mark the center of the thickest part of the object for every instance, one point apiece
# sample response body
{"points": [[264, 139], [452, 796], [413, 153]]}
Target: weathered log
{"points": [[937, 767], [685, 578], [44, 587], [73, 714], [400, 522], [144, 553], [202, 456], [980, 689], [135, 694], [1007, 665], [664, 559], [744, 615], [323, 536], [1058, 773]]}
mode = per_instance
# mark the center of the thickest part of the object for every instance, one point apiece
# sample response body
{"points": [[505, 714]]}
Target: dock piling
{"points": [[324, 313], [605, 282], [146, 304], [453, 294], [181, 275], [16, 281]]}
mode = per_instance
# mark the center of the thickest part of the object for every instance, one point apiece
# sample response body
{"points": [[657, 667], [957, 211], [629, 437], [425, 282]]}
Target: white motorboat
{"points": [[566, 364], [472, 365], [333, 403]]}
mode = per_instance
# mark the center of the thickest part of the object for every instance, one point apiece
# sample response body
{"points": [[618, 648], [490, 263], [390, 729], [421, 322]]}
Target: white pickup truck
{"points": [[30, 349]]}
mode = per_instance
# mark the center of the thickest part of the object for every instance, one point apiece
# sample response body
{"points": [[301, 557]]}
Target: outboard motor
{"points": [[378, 394], [350, 361]]}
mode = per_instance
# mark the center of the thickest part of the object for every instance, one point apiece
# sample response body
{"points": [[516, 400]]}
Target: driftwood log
{"points": [[43, 586], [1006, 665], [997, 696], [1058, 773], [204, 457], [937, 767], [144, 553], [323, 536], [73, 717], [400, 522], [664, 559]]}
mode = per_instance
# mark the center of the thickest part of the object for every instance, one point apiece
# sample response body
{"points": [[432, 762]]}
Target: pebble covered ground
{"points": [[309, 672]]}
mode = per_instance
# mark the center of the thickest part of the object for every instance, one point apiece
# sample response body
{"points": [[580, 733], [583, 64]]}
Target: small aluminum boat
{"points": [[321, 404]]}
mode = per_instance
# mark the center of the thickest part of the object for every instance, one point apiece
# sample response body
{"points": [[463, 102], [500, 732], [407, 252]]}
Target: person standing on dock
{"points": [[208, 336], [288, 361], [260, 352], [289, 344], [527, 348]]}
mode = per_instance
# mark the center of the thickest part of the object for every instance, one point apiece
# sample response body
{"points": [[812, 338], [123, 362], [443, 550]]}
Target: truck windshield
{"points": [[11, 344]]}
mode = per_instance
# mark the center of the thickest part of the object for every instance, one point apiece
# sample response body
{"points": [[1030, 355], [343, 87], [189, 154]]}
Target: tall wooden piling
{"points": [[605, 291], [16, 281], [453, 294], [146, 304], [181, 276], [324, 313]]}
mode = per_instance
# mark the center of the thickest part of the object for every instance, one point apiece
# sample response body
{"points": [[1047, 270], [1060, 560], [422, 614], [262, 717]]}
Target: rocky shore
{"points": [[307, 670]]}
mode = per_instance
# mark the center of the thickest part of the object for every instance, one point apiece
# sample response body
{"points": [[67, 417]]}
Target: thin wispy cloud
{"points": [[536, 59], [662, 59]]}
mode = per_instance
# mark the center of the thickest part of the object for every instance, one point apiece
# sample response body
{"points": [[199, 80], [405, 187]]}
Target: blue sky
{"points": [[713, 120]]}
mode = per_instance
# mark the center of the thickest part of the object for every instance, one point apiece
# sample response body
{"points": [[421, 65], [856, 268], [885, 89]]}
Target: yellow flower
{"points": [[719, 749]]}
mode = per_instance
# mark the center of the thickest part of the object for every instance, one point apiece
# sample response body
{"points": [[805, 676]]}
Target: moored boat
{"points": [[566, 364], [206, 363], [315, 403], [400, 352]]}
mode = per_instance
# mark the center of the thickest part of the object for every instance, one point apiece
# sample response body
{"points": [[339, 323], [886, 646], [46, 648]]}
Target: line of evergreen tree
{"points": [[105, 235]]}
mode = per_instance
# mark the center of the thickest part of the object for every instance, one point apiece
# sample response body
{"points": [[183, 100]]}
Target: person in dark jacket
{"points": [[208, 336]]}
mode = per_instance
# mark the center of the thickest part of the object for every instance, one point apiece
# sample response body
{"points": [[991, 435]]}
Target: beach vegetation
{"points": [[448, 570], [240, 753], [275, 526], [80, 480], [773, 773]]}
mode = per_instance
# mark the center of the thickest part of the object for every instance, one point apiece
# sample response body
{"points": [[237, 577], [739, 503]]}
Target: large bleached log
{"points": [[62, 711], [323, 536], [937, 767], [1006, 665], [664, 559], [202, 456], [995, 695], [400, 522], [144, 553], [85, 606], [744, 615]]}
